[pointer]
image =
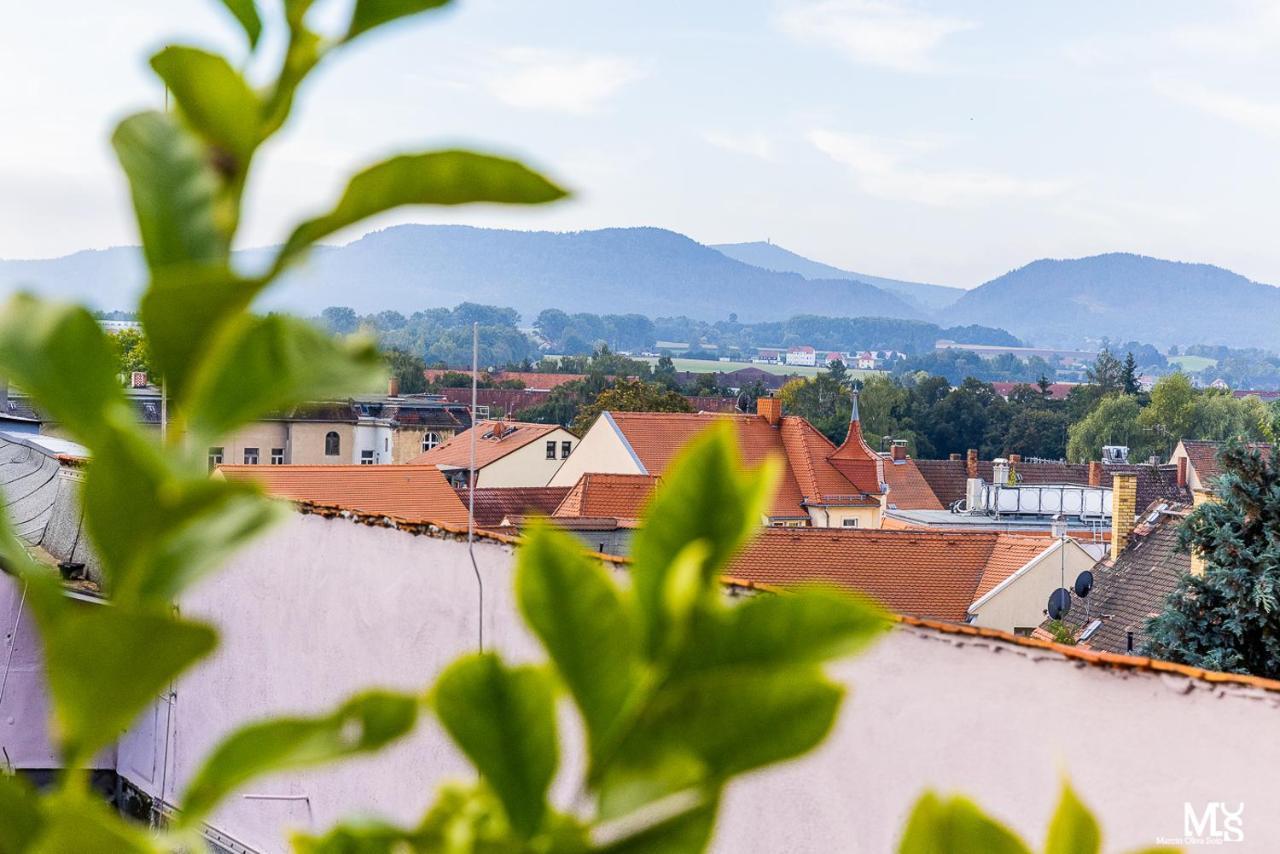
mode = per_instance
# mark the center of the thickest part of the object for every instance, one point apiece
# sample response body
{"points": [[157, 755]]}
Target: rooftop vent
{"points": [[1115, 455]]}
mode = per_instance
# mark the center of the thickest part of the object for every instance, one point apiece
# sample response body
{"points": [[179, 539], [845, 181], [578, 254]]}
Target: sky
{"points": [[939, 142]]}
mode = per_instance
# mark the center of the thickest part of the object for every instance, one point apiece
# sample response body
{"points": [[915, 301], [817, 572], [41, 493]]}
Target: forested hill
{"points": [[770, 256], [1125, 297]]}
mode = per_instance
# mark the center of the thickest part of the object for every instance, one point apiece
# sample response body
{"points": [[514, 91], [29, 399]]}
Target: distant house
{"points": [[769, 355], [866, 361], [507, 453], [835, 356], [822, 485], [1199, 459], [802, 357], [1057, 391]]}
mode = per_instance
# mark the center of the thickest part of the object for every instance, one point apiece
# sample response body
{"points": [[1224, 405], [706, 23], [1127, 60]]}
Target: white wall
{"points": [[602, 450], [528, 466], [1022, 601]]}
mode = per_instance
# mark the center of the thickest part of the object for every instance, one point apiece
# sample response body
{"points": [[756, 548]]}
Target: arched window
{"points": [[332, 447], [430, 440]]}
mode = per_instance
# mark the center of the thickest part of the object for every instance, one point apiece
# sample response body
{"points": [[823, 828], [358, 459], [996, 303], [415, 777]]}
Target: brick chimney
{"points": [[770, 408], [1124, 510], [899, 452], [1095, 473], [393, 386], [1182, 472], [971, 463], [1200, 496]]}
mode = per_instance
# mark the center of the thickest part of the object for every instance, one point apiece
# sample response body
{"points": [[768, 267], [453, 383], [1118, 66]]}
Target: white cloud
{"points": [[1243, 110], [560, 82], [885, 168], [753, 144], [875, 32]]}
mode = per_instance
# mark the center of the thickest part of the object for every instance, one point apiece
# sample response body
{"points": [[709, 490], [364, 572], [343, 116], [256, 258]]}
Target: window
{"points": [[565, 448], [430, 440], [366, 458], [332, 447], [277, 456], [251, 456], [551, 450], [849, 523], [482, 413], [215, 457]]}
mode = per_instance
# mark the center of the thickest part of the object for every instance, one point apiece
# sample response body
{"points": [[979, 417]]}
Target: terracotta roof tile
{"points": [[616, 496], [1203, 457], [947, 478], [908, 490], [496, 439], [413, 493], [493, 504], [922, 573]]}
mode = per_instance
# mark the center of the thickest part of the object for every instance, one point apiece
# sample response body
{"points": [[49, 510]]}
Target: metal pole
{"points": [[472, 477]]}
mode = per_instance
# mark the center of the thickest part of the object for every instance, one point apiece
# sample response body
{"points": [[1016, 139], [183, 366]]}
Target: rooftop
{"points": [[493, 504], [494, 440], [609, 496]]}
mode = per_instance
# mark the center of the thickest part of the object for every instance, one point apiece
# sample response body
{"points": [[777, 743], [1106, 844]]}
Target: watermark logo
{"points": [[1214, 823]]}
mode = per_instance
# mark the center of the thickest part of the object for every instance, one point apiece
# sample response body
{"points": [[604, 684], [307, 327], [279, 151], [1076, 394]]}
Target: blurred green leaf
{"points": [[504, 720], [434, 178], [574, 608], [1073, 829], [365, 723], [215, 101], [374, 13], [264, 364], [21, 814], [768, 630], [246, 12], [708, 495], [106, 664], [357, 836], [183, 312], [158, 528], [175, 192], [737, 719], [685, 833], [956, 826], [43, 344], [80, 822]]}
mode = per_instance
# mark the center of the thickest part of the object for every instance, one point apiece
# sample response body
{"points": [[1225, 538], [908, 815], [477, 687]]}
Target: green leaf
{"points": [[215, 101], [374, 13], [45, 345], [184, 311], [685, 833], [808, 626], [357, 836], [956, 826], [175, 192], [504, 720], [707, 495], [576, 611], [265, 364], [246, 12], [21, 814], [363, 724], [434, 178], [80, 822], [105, 664], [737, 719], [1073, 829], [157, 528]]}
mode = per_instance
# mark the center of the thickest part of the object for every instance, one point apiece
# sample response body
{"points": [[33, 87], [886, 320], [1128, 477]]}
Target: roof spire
{"points": [[853, 415]]}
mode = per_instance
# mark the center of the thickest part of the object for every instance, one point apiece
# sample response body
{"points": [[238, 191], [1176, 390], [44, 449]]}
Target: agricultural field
{"points": [[1192, 364], [704, 366]]}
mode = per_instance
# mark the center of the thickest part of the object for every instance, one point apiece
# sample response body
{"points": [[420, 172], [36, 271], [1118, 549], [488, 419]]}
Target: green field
{"points": [[703, 366], [1191, 364]]}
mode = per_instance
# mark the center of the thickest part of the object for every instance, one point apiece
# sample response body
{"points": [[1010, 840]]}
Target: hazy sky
{"points": [[944, 142]]}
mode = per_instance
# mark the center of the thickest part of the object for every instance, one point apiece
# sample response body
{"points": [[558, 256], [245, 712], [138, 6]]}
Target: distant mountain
{"points": [[772, 257], [647, 271], [1125, 297]]}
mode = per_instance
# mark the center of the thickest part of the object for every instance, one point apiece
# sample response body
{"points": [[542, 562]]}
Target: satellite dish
{"points": [[1059, 603], [1084, 583]]}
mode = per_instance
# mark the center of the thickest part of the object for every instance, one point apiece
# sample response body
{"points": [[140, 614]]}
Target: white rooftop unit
{"points": [[1087, 503]]}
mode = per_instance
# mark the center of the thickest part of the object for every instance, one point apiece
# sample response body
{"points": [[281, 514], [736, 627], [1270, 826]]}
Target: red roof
{"points": [[908, 490], [495, 503], [414, 493], [496, 439], [1057, 391], [935, 574], [1203, 457], [613, 496]]}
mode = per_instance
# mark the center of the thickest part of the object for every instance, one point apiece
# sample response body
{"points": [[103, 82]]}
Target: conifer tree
{"points": [[1229, 618]]}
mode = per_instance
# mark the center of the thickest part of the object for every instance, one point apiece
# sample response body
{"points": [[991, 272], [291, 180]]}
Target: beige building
{"points": [[507, 454], [822, 485], [1016, 601]]}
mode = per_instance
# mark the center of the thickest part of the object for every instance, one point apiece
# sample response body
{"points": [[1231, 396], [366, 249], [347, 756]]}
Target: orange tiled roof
{"points": [[615, 496], [855, 459], [495, 503], [496, 439], [908, 490], [413, 493], [923, 573]]}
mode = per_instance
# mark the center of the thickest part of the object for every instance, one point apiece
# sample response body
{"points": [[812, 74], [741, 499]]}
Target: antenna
{"points": [[471, 481]]}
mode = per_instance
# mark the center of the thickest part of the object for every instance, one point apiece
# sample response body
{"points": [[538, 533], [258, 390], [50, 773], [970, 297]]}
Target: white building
{"points": [[802, 357]]}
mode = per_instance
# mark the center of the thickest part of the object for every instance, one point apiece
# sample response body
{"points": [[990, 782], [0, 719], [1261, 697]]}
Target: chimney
{"points": [[1182, 472], [955, 458], [1124, 510], [1015, 458], [971, 464], [1200, 496], [138, 379], [1095, 473], [899, 452], [770, 408], [393, 386]]}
